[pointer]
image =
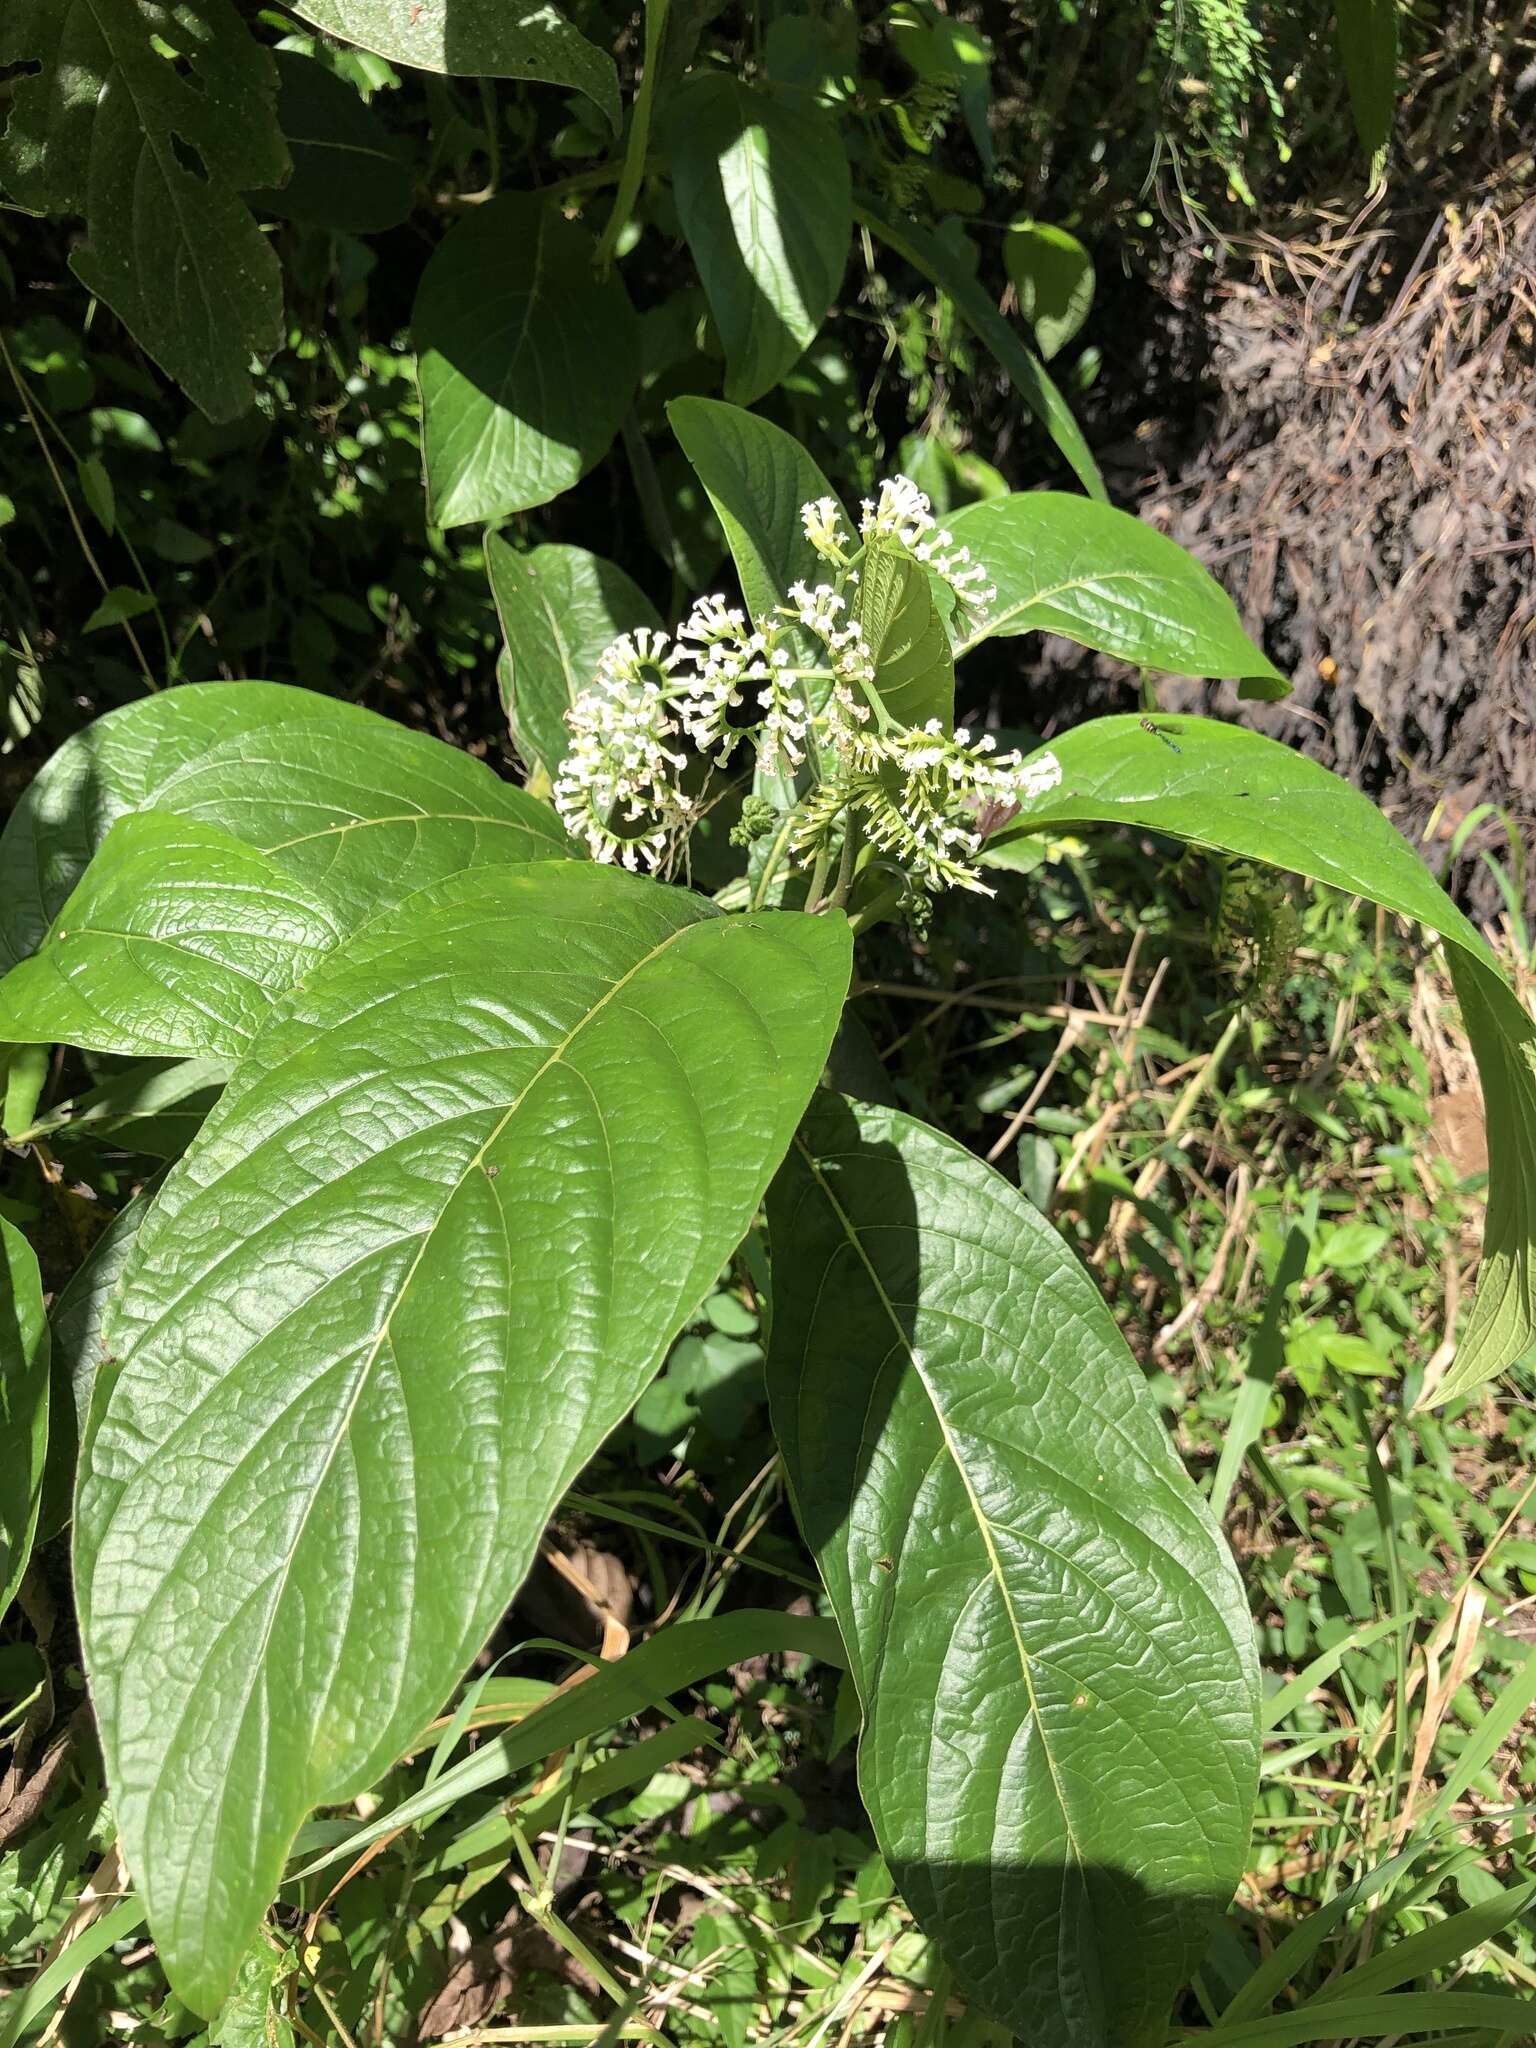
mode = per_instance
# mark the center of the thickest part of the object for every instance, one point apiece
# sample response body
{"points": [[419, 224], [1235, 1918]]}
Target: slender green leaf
{"points": [[528, 361], [1366, 31], [176, 941], [422, 1257], [25, 2009], [347, 174], [23, 1405], [646, 1676], [757, 477], [914, 668], [1399, 2016], [109, 127], [761, 185], [940, 264], [344, 800], [1052, 274], [559, 608], [475, 39], [1049, 1638], [1510, 1707], [1066, 565], [153, 1107], [1286, 1962], [1221, 786], [1294, 1693], [1432, 1948]]}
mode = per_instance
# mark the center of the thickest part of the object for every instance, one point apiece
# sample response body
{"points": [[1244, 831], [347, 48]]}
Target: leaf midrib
{"points": [[983, 1524]]}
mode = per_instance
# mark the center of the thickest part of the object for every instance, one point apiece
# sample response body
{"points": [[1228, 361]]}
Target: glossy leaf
{"points": [[152, 1107], [1049, 1638], [937, 260], [1052, 276], [176, 942], [1097, 576], [23, 1405], [559, 608], [757, 477], [528, 361], [1232, 789], [347, 173], [475, 39], [107, 127], [761, 185], [346, 801], [436, 1237], [914, 668]]}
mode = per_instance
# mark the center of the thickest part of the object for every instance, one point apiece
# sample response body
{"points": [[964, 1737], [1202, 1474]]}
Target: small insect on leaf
{"points": [[1160, 732], [886, 1564]]}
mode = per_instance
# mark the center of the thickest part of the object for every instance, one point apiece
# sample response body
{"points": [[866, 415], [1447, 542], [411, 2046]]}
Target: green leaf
{"points": [[23, 1405], [1397, 2017], [346, 172], [939, 263], [757, 477], [1049, 1638], [109, 127], [1367, 37], [1106, 580], [559, 608], [423, 1256], [914, 668], [1236, 791], [121, 603], [645, 1677], [344, 800], [956, 52], [1052, 274], [152, 1107], [528, 361], [475, 39], [176, 942], [761, 186]]}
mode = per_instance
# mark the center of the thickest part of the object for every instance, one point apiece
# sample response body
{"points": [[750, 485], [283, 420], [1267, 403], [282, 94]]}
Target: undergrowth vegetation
{"points": [[712, 1331]]}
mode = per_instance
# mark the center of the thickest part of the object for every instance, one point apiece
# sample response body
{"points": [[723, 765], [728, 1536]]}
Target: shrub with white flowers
{"points": [[798, 686]]}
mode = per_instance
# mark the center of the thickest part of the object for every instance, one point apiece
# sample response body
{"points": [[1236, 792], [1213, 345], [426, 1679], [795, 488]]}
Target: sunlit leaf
{"points": [[423, 1256], [1049, 1638]]}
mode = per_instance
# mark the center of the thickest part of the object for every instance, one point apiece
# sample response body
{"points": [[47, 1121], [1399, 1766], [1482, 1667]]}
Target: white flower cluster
{"points": [[902, 515], [926, 800]]}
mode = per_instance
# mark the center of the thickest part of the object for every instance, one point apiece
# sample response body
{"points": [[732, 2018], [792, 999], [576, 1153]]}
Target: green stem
{"points": [[639, 137], [774, 860]]}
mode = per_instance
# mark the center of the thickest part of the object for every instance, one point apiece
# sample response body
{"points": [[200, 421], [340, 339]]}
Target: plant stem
{"points": [[23, 392], [639, 138]]}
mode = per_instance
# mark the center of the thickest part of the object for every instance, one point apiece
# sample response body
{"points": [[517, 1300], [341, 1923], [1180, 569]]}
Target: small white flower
{"points": [[824, 530]]}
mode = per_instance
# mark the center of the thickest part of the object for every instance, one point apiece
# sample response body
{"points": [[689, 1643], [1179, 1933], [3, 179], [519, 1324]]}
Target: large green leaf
{"points": [[1067, 565], [475, 39], [155, 157], [1048, 1636], [762, 190], [528, 361], [176, 941], [23, 1405], [347, 173], [939, 262], [428, 1249], [757, 477], [1221, 786], [914, 668], [355, 806], [559, 608]]}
